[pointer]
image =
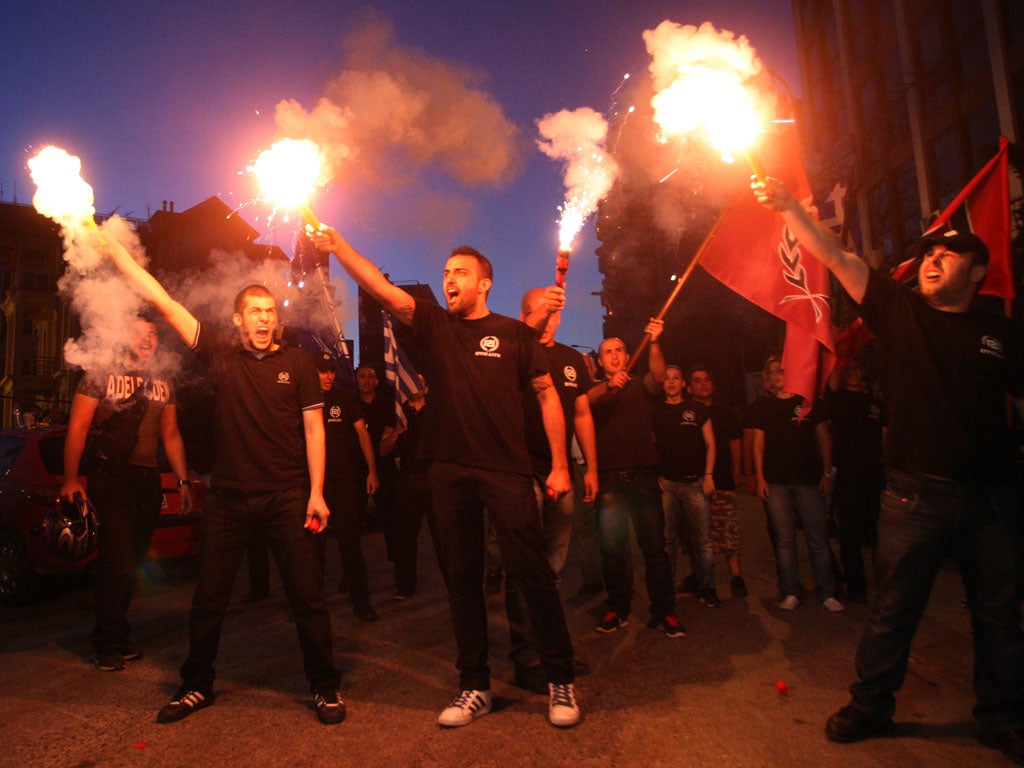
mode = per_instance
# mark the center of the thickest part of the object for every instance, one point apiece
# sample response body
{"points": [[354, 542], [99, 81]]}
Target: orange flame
{"points": [[61, 193], [288, 173]]}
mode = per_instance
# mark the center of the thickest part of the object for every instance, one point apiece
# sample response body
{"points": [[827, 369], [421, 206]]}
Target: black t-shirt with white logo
{"points": [[344, 455], [791, 455], [571, 379], [726, 427], [261, 441], [479, 371], [945, 376], [679, 433]]}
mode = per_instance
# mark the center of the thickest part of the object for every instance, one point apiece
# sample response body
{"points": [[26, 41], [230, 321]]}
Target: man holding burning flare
{"points": [[481, 366], [268, 477], [949, 456]]}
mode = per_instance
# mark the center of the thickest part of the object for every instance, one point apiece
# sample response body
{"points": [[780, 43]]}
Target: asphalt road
{"points": [[709, 699]]}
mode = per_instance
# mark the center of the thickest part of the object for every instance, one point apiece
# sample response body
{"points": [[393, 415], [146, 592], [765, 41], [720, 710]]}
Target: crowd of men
{"points": [[513, 435]]}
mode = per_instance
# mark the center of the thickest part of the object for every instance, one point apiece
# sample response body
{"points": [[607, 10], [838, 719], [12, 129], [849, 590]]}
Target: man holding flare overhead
{"points": [[481, 365], [950, 474]]}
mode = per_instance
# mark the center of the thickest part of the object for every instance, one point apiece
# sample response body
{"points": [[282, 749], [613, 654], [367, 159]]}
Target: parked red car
{"points": [[31, 473]]}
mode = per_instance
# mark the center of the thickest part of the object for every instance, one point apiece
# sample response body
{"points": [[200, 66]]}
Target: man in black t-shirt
{"points": [[950, 472], [627, 464], [725, 523], [350, 474], [481, 366], [858, 424], [686, 446], [378, 409], [267, 478]]}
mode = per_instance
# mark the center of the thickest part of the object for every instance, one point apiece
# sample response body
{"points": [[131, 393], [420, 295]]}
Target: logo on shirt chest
{"points": [[570, 376], [688, 418], [489, 347], [990, 345], [283, 377], [334, 413]]}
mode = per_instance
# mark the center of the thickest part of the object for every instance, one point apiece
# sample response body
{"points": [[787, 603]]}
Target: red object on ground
{"points": [[781, 687], [140, 745]]}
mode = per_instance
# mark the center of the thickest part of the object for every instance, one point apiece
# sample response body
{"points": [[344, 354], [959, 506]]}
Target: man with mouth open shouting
{"points": [[480, 367], [949, 456], [268, 476]]}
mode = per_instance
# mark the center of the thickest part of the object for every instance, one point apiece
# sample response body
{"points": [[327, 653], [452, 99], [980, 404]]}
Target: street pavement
{"points": [[712, 698]]}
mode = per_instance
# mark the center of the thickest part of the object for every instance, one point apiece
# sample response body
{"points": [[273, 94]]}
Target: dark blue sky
{"points": [[171, 101]]}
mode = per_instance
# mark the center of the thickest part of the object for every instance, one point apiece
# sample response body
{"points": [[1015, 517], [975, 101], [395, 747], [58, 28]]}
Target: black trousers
{"points": [[460, 495], [128, 507], [346, 498], [229, 522]]}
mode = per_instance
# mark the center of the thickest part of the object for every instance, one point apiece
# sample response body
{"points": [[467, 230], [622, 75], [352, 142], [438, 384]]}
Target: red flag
{"points": [[988, 212], [755, 255]]}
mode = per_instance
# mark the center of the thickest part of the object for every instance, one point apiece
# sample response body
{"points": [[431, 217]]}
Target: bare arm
{"points": [[710, 455], [179, 318], [583, 423], [758, 454], [83, 408], [367, 276], [174, 447], [366, 446], [554, 301], [554, 426], [655, 357], [822, 244], [316, 507]]}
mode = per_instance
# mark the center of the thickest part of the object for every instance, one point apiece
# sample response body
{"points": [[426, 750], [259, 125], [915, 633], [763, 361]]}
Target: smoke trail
{"points": [[577, 138]]}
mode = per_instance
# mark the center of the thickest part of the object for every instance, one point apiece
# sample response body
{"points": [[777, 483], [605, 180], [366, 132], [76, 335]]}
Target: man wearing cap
{"points": [[351, 473], [946, 371]]}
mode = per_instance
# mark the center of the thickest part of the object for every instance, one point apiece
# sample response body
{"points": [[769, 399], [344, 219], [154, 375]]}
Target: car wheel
{"points": [[18, 582]]}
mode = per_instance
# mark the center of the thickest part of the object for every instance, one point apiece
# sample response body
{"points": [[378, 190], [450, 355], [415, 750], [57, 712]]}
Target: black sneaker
{"points": [[130, 652], [330, 709], [108, 661], [365, 613], [531, 678], [687, 586], [1010, 743], [185, 702], [849, 724], [738, 587], [709, 597], [611, 622], [669, 624], [403, 594]]}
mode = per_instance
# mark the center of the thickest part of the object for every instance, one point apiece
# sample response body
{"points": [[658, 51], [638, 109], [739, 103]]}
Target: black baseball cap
{"points": [[958, 242], [324, 362]]}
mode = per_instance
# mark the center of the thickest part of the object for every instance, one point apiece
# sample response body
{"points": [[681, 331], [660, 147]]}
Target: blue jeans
{"points": [[688, 523], [633, 494], [922, 520], [786, 504]]}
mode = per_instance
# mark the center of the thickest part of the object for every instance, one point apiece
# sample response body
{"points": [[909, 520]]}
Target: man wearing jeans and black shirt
{"points": [[950, 474], [268, 476], [627, 465], [481, 366]]}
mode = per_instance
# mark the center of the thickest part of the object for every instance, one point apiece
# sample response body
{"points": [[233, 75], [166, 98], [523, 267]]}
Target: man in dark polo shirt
{"points": [[268, 476], [947, 369], [481, 366], [627, 465]]}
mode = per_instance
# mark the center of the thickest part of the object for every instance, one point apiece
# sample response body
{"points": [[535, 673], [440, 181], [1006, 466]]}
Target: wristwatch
{"points": [[184, 482]]}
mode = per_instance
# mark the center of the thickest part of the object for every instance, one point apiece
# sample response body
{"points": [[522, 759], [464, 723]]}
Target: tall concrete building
{"points": [[906, 99]]}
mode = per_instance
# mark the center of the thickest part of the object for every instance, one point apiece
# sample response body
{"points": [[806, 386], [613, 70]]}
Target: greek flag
{"points": [[398, 371]]}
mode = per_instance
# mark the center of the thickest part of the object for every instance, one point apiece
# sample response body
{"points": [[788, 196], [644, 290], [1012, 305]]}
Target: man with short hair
{"points": [[481, 366], [268, 477], [725, 522], [685, 438], [950, 472], [350, 474], [129, 407], [627, 464]]}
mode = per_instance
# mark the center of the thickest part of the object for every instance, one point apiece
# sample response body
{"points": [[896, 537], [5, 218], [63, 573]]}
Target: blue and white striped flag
{"points": [[398, 371]]}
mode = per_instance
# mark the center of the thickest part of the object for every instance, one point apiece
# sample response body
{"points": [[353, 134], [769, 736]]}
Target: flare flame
{"points": [[289, 173]]}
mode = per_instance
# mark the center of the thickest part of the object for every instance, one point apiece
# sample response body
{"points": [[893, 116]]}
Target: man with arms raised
{"points": [[949, 457], [268, 476], [481, 365]]}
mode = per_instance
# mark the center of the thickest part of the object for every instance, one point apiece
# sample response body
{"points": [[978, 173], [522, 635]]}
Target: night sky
{"points": [[171, 101]]}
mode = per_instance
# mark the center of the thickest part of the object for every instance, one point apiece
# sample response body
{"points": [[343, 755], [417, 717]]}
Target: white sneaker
{"points": [[790, 603], [834, 605], [563, 711], [465, 708]]}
